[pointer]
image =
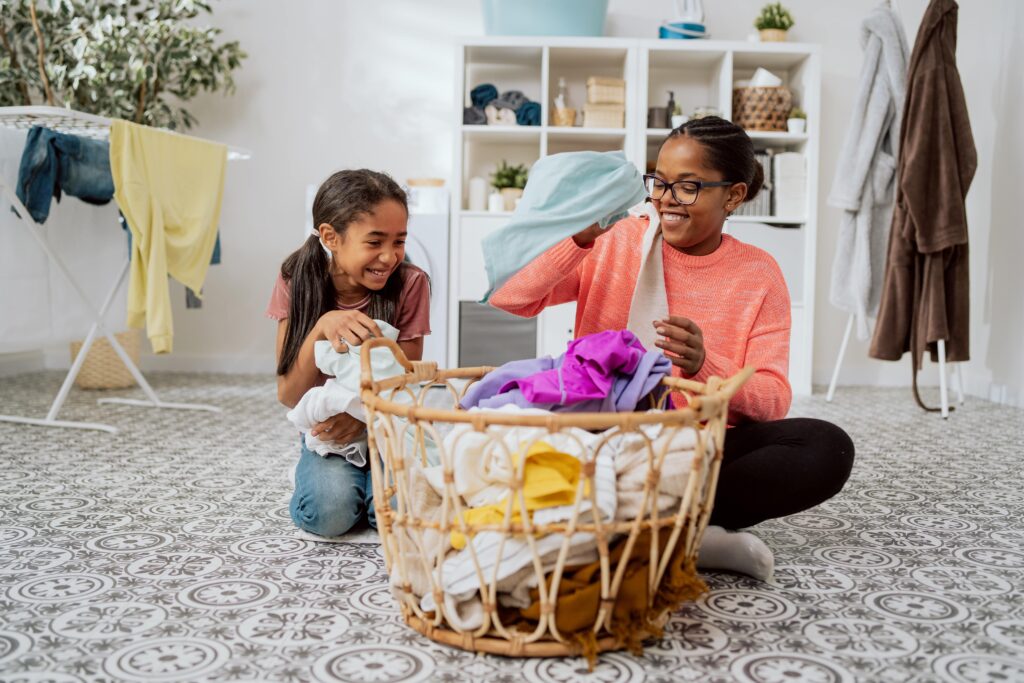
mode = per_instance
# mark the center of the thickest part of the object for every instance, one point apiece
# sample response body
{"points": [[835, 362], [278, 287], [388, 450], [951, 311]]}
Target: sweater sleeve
{"points": [[767, 395], [550, 279]]}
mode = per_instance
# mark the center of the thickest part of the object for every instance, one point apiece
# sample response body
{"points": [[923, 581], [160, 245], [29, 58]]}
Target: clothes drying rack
{"points": [[97, 127]]}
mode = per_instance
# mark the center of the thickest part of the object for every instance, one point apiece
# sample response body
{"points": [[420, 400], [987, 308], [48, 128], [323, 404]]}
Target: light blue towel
{"points": [[565, 194]]}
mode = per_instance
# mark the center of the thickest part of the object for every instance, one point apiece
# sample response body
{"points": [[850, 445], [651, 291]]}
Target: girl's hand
{"points": [[586, 237], [347, 328], [683, 343], [339, 430]]}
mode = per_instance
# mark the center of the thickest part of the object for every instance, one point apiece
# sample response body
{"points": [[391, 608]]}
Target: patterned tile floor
{"points": [[166, 553]]}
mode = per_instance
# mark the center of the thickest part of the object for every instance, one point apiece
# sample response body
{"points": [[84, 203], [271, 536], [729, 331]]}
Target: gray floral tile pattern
{"points": [[165, 553]]}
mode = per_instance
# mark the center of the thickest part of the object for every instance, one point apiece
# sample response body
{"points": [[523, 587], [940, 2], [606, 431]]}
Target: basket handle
{"points": [[422, 371]]}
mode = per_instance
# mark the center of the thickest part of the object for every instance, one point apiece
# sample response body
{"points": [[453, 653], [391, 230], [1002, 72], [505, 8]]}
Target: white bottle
{"points": [[477, 194], [495, 202]]}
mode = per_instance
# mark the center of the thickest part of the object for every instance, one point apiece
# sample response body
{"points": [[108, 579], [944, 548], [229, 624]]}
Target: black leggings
{"points": [[773, 469]]}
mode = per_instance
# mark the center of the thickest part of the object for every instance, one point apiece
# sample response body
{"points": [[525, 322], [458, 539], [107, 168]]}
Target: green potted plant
{"points": [[773, 22], [138, 60], [797, 121], [510, 179]]}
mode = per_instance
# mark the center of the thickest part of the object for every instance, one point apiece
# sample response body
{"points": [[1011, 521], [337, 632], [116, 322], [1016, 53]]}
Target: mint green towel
{"points": [[565, 194]]}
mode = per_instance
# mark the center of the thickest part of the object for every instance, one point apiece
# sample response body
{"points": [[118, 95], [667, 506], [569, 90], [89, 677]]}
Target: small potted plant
{"points": [[773, 22], [797, 121], [678, 118], [510, 179]]}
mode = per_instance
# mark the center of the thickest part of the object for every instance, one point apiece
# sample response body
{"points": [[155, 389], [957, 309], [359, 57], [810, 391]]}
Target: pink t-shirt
{"points": [[412, 316]]}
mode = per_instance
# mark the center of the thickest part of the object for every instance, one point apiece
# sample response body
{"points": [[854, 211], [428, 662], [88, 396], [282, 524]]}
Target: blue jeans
{"points": [[331, 494], [53, 162]]}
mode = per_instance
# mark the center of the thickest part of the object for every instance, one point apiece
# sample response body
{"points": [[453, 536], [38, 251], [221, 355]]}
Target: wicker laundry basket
{"points": [[761, 108], [399, 424], [102, 367]]}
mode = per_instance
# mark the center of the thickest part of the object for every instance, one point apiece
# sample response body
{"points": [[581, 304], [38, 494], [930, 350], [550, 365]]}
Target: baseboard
{"points": [[21, 361], [57, 359]]}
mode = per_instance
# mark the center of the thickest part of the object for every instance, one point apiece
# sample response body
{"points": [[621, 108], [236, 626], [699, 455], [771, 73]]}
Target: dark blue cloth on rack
{"points": [[53, 162]]}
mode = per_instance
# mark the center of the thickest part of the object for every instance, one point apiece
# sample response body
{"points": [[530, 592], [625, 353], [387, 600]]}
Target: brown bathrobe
{"points": [[926, 292]]}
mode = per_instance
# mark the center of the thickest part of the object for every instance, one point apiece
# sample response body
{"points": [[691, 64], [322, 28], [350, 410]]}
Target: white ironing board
{"points": [[96, 127]]}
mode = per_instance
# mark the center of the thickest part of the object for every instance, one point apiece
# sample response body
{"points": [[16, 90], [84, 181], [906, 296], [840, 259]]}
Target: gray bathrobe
{"points": [[865, 175]]}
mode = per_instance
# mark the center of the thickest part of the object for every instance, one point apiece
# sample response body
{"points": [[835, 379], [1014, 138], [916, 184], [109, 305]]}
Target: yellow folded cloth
{"points": [[550, 478], [169, 188]]}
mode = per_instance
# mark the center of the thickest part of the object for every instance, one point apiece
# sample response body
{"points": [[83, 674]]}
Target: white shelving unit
{"points": [[701, 74]]}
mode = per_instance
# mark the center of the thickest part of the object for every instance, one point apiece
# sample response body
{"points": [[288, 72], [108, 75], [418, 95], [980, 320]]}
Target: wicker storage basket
{"points": [[399, 424], [563, 117], [103, 368], [606, 90], [763, 108], [604, 115]]}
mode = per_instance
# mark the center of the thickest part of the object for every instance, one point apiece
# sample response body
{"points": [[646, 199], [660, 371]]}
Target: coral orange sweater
{"points": [[736, 295]]}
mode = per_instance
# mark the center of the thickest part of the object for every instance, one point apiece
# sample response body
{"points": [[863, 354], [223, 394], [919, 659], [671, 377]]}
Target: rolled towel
{"points": [[511, 99], [483, 94], [528, 114], [474, 116]]}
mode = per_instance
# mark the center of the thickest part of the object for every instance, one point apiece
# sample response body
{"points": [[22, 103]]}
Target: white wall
{"points": [[338, 84]]}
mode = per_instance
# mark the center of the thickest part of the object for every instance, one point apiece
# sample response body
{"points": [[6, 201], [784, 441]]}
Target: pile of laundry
{"points": [[510, 108], [531, 477], [526, 477]]}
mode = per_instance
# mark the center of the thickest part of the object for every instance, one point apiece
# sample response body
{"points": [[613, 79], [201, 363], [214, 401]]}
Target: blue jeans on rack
{"points": [[53, 162], [331, 494]]}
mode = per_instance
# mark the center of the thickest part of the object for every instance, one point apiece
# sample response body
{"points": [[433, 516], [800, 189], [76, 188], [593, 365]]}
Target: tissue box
{"points": [[606, 90], [604, 116]]}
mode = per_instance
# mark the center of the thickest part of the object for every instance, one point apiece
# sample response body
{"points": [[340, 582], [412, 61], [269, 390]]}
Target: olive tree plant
{"points": [[139, 60]]}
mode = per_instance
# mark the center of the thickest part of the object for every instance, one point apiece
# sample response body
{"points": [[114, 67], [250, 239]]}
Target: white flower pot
{"points": [[678, 120], [796, 125]]}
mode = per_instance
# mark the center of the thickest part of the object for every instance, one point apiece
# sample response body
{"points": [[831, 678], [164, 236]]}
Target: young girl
{"points": [[350, 272], [728, 307]]}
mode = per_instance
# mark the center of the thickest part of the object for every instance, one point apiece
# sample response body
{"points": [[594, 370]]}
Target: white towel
{"points": [[650, 302], [341, 394]]}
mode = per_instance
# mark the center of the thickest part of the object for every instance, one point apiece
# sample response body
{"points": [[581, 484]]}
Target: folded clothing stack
{"points": [[510, 108]]}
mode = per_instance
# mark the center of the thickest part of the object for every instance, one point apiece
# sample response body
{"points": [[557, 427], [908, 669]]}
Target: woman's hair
{"points": [[727, 148], [343, 198]]}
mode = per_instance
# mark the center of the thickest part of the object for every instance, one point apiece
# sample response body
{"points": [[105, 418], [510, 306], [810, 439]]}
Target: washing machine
{"points": [[427, 248]]}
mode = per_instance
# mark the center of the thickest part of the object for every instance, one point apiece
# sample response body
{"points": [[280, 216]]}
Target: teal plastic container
{"points": [[544, 17]]}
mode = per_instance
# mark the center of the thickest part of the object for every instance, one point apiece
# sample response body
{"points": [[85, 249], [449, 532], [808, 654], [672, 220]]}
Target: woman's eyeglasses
{"points": [[683, 191]]}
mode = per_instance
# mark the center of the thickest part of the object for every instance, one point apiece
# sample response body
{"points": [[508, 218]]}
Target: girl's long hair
{"points": [[344, 197]]}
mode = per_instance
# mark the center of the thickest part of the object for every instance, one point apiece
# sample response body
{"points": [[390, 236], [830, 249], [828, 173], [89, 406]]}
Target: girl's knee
{"points": [[326, 515]]}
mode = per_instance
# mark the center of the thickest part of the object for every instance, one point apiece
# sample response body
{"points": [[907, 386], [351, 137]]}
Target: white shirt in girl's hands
{"points": [[341, 393]]}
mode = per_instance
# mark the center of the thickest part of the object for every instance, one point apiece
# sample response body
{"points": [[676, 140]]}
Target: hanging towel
{"points": [[169, 188], [864, 185], [649, 302], [564, 194]]}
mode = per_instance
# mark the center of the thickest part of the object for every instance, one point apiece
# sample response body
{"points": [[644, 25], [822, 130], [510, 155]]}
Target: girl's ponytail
{"points": [[308, 272]]}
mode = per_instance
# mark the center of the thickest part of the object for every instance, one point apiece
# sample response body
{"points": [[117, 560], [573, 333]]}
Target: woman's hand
{"points": [[683, 343], [586, 237], [339, 430], [347, 328]]}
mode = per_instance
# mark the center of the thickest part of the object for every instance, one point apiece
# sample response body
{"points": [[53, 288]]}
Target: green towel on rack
{"points": [[565, 194]]}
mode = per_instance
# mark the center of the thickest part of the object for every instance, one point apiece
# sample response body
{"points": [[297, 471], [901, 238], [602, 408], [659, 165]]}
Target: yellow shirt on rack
{"points": [[169, 188]]}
